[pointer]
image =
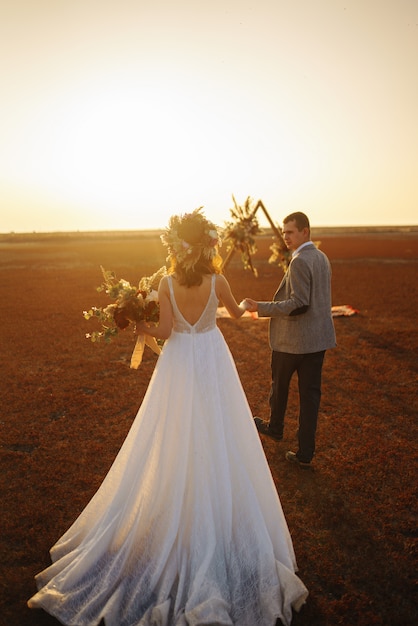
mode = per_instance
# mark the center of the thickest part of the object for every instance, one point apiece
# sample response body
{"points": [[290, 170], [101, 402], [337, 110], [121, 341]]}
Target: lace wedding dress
{"points": [[187, 527]]}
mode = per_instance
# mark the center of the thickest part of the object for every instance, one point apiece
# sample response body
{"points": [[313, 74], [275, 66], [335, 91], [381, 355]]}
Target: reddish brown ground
{"points": [[67, 406]]}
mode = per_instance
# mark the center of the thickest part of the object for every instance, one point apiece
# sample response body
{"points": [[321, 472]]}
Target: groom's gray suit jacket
{"points": [[301, 320]]}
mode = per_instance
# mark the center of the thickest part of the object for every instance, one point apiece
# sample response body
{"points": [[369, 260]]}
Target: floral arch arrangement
{"points": [[240, 232]]}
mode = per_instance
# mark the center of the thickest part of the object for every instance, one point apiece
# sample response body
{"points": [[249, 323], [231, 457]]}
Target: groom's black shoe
{"points": [[264, 428], [293, 458]]}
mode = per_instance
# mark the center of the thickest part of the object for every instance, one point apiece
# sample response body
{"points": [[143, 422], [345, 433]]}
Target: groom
{"points": [[301, 330]]}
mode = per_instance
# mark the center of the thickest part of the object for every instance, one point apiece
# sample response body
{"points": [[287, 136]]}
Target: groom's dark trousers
{"points": [[309, 371]]}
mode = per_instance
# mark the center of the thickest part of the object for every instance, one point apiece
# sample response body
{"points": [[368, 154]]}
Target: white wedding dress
{"points": [[187, 527]]}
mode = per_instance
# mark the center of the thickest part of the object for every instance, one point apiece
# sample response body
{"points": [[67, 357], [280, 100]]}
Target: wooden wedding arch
{"points": [[281, 244]]}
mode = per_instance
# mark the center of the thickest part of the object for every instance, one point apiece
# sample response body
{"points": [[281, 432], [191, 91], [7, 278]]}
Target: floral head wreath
{"points": [[187, 253]]}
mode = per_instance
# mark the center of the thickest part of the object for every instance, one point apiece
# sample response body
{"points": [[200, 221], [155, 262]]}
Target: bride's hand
{"points": [[141, 328], [250, 305]]}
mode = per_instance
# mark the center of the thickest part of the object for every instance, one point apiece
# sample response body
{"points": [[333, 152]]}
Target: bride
{"points": [[187, 527]]}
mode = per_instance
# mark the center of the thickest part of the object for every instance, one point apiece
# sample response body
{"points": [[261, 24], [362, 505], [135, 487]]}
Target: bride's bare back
{"points": [[191, 301]]}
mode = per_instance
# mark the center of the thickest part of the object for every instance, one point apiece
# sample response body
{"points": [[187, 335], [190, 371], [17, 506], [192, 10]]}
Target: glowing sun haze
{"points": [[117, 114]]}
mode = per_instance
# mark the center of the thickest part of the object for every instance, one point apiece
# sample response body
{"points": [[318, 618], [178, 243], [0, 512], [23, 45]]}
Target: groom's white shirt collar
{"points": [[295, 252]]}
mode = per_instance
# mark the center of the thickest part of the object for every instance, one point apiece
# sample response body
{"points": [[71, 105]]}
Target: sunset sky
{"points": [[116, 114]]}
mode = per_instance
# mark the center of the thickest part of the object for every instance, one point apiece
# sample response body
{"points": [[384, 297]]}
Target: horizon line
{"points": [[153, 231]]}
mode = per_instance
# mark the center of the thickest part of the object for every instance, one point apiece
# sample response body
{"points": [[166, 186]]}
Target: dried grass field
{"points": [[67, 405]]}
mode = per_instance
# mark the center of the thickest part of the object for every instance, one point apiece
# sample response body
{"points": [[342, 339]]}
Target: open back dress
{"points": [[187, 527]]}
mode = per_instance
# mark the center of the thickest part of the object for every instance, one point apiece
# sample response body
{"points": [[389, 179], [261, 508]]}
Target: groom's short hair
{"points": [[301, 220]]}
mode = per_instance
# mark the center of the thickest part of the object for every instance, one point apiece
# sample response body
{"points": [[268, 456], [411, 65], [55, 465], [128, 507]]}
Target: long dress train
{"points": [[187, 527]]}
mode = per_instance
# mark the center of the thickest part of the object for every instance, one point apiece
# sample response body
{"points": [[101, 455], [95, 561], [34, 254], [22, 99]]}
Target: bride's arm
{"points": [[165, 324], [225, 295]]}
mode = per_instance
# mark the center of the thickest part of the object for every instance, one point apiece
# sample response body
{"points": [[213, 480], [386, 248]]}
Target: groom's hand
{"points": [[251, 305]]}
